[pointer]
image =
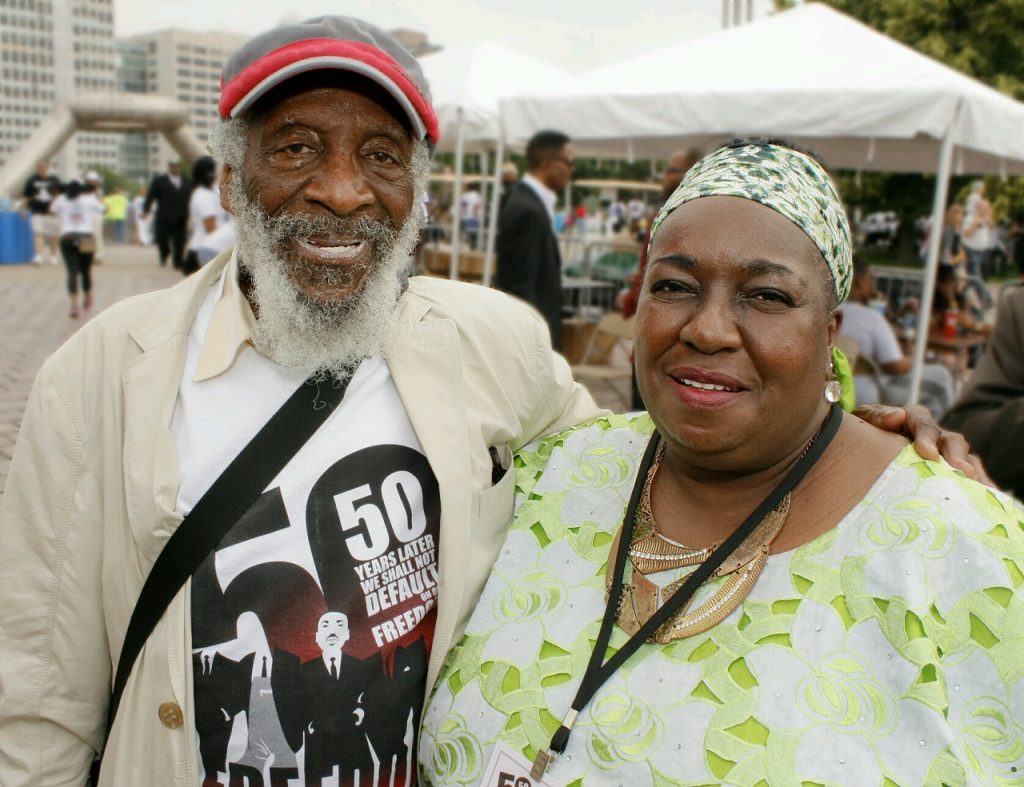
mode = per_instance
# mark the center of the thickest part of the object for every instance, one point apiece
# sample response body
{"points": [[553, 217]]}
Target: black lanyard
{"points": [[597, 672]]}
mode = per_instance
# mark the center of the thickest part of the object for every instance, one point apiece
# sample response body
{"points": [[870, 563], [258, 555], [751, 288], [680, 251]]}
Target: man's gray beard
{"points": [[321, 337]]}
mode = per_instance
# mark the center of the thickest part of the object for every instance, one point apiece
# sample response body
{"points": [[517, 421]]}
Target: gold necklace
{"points": [[651, 552]]}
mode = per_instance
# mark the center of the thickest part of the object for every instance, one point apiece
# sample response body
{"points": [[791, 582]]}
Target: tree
{"points": [[982, 38]]}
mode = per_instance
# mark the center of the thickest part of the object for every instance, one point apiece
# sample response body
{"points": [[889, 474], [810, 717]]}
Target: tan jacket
{"points": [[90, 502]]}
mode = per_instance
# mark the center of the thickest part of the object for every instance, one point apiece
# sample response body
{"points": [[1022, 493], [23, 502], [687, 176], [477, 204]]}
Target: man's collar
{"points": [[547, 196], [230, 327]]}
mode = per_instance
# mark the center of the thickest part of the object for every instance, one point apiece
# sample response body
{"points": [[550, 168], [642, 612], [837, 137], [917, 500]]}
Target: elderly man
{"points": [[392, 511]]}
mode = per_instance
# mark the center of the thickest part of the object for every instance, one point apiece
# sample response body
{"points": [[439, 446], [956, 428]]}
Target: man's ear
{"points": [[225, 197]]}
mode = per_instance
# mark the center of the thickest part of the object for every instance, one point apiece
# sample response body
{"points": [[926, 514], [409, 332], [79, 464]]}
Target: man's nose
{"points": [[340, 184]]}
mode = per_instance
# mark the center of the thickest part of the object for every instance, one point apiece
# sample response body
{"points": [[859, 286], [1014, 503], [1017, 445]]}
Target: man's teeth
{"points": [[707, 386], [343, 251]]}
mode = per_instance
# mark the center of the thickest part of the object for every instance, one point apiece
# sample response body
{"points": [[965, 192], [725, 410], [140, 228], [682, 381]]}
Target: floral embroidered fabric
{"points": [[887, 651]]}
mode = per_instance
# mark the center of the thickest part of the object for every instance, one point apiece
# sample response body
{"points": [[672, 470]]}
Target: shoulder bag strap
{"points": [[224, 503]]}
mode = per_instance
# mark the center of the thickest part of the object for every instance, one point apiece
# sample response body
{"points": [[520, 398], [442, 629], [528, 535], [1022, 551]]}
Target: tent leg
{"points": [[932, 262], [453, 270], [492, 221]]}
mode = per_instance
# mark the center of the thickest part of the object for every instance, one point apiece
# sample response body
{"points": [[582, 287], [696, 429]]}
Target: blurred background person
{"points": [[140, 227], [470, 207], [77, 210], [978, 231], [40, 190], [94, 185], [509, 178], [865, 323], [169, 192], [529, 262], [204, 210], [116, 218]]}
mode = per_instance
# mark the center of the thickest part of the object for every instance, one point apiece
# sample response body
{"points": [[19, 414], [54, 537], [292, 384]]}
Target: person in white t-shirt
{"points": [[469, 210], [978, 231], [77, 210], [864, 321], [204, 209]]}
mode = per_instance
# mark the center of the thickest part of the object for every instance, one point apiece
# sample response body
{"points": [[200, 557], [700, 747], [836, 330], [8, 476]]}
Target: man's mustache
{"points": [[297, 226]]}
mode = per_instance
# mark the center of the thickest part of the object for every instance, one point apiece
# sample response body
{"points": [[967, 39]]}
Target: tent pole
{"points": [[485, 162], [932, 262], [453, 269], [492, 222]]}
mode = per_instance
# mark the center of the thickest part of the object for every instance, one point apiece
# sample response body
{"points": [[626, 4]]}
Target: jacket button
{"points": [[170, 715]]}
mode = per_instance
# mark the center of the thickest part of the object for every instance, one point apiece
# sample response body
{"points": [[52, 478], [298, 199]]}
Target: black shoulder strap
{"points": [[224, 503]]}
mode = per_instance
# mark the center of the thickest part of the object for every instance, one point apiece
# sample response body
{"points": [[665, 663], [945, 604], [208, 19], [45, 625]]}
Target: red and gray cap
{"points": [[328, 42]]}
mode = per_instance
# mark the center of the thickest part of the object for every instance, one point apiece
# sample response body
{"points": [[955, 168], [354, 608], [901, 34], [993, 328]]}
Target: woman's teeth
{"points": [[707, 386]]}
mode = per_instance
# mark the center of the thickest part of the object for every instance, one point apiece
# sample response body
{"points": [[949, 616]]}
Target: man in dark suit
{"points": [[338, 689], [990, 409], [170, 192], [529, 264]]}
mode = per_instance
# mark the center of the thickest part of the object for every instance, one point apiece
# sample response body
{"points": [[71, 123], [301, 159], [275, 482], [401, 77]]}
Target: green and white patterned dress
{"points": [[887, 651]]}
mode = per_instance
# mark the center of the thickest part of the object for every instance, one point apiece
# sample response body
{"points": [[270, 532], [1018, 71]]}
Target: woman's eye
{"points": [[772, 297]]}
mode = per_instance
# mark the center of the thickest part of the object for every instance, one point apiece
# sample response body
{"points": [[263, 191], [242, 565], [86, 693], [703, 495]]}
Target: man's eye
{"points": [[295, 148], [381, 157], [671, 287]]}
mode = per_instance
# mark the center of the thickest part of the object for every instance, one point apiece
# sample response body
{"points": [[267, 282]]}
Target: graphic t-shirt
{"points": [[40, 192], [312, 620]]}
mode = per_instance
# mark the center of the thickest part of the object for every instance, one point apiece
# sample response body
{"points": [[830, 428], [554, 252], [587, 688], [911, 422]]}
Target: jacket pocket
{"points": [[495, 504]]}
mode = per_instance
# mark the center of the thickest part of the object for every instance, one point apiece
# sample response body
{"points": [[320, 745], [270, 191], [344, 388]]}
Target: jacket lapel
{"points": [[149, 385], [426, 365]]}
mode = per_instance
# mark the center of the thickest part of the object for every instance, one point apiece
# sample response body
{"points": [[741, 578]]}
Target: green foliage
{"points": [[113, 178], [981, 38]]}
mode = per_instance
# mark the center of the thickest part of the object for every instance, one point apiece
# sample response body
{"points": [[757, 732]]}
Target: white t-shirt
{"points": [[76, 215], [876, 340], [348, 529], [470, 205], [222, 238], [204, 204]]}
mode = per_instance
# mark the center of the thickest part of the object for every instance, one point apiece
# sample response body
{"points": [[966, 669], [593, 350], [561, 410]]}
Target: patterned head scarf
{"points": [[785, 180]]}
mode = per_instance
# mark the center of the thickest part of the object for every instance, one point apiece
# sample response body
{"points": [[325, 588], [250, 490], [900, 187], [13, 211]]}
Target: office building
{"points": [[182, 64], [51, 49]]}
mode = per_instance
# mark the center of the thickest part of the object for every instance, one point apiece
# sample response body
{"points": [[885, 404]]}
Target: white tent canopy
{"points": [[811, 74], [467, 82], [471, 78]]}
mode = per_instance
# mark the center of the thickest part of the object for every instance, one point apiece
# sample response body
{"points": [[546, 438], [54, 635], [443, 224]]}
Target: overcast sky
{"points": [[575, 34]]}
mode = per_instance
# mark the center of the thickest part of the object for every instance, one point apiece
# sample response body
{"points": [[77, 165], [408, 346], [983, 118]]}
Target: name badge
{"points": [[509, 768]]}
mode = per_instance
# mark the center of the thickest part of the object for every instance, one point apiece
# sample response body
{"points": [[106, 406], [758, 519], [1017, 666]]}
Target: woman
{"points": [[204, 209], [952, 251], [950, 308], [77, 208], [866, 631]]}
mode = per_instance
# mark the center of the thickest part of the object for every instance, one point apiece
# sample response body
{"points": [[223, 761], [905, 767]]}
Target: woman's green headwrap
{"points": [[795, 185]]}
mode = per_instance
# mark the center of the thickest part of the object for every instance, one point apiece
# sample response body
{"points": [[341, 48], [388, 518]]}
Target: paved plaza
{"points": [[34, 321]]}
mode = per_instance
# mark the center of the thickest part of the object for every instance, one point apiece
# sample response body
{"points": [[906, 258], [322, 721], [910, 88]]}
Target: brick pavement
{"points": [[34, 321]]}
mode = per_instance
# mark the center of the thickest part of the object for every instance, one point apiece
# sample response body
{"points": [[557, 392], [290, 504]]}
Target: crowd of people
{"points": [[305, 518], [183, 217]]}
